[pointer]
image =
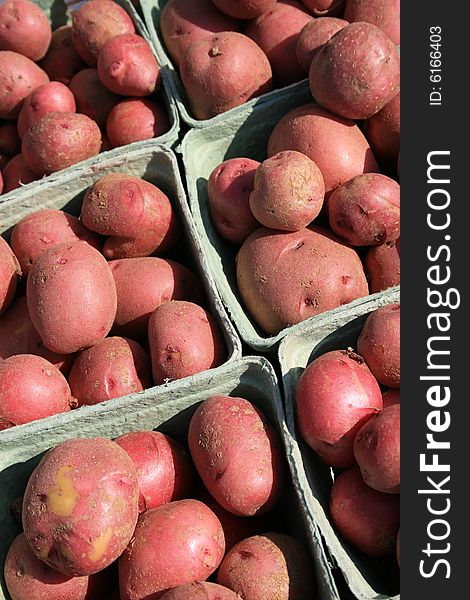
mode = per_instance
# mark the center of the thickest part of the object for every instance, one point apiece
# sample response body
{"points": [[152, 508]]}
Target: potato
{"points": [[228, 189], [62, 61], [288, 191], [222, 71], [127, 66], [244, 9], [379, 344], [357, 72], [321, 8], [314, 36], [164, 470], [16, 174], [19, 76], [382, 13], [93, 99], [383, 133], [10, 271], [184, 340], [364, 517], [27, 577], [10, 143], [94, 24], [71, 297], [377, 450], [193, 543], [237, 454], [273, 566], [382, 267], [281, 285], [391, 397], [80, 506], [1, 177], [24, 28], [60, 140], [200, 590], [136, 215], [276, 32], [142, 284], [335, 144], [136, 119]]}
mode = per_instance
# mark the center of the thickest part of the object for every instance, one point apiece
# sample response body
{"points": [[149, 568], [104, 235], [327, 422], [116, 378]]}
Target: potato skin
{"points": [[28, 577], [335, 144], [200, 590], [80, 506], [280, 285], [314, 36], [321, 8], [9, 273], [24, 28], [194, 546], [382, 266], [391, 396], [383, 132], [244, 9], [71, 297], [385, 14], [215, 73], [230, 436], [93, 99], [273, 566], [136, 119], [62, 62], [17, 173]]}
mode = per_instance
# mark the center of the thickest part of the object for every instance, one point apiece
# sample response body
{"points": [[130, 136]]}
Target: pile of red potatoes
{"points": [[69, 94]]}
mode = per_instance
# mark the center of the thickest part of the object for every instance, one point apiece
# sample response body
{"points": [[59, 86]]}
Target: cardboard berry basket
{"points": [[366, 578], [167, 409]]}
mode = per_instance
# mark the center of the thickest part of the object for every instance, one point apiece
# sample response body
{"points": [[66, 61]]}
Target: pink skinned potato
{"points": [[24, 28], [183, 22], [335, 396], [10, 143], [366, 518], [222, 71], [356, 73], [382, 266], [276, 32], [184, 340], [31, 388], [136, 215], [111, 368], [19, 76], [391, 396], [385, 14], [228, 189], [136, 119], [322, 8], [142, 284], [17, 174], [273, 565], [10, 271], [229, 436], [200, 590], [383, 132], [335, 144], [94, 24], [164, 469], [244, 9], [71, 297], [27, 577], [93, 99], [379, 344], [80, 507], [314, 36], [62, 62], [194, 546], [280, 285]]}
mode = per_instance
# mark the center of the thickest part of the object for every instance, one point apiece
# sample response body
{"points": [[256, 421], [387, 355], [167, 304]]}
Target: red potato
{"points": [[335, 395], [164, 470], [10, 143], [357, 72], [222, 71], [335, 144], [27, 577], [71, 297], [134, 120], [17, 174], [93, 99], [382, 266], [391, 397], [10, 272], [24, 28], [227, 437], [228, 189], [288, 191], [314, 36], [383, 132], [62, 61], [379, 344], [200, 590], [19, 76], [244, 9], [184, 340], [80, 507], [142, 284], [385, 14], [136, 216], [377, 450], [276, 32], [31, 388], [127, 66], [94, 24], [193, 543], [281, 285], [273, 566], [364, 517], [321, 8]]}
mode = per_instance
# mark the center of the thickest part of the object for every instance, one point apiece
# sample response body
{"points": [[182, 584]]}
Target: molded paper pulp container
{"points": [[59, 12], [366, 578], [168, 409], [151, 10]]}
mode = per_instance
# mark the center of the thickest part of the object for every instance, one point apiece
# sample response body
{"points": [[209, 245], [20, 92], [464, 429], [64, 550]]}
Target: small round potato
{"points": [[16, 174], [62, 61], [244, 9], [383, 133], [24, 28], [136, 119], [9, 273], [93, 99], [314, 36], [385, 14], [382, 266]]}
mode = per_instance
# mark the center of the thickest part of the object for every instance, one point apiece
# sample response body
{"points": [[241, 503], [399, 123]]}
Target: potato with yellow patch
{"points": [[80, 507]]}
